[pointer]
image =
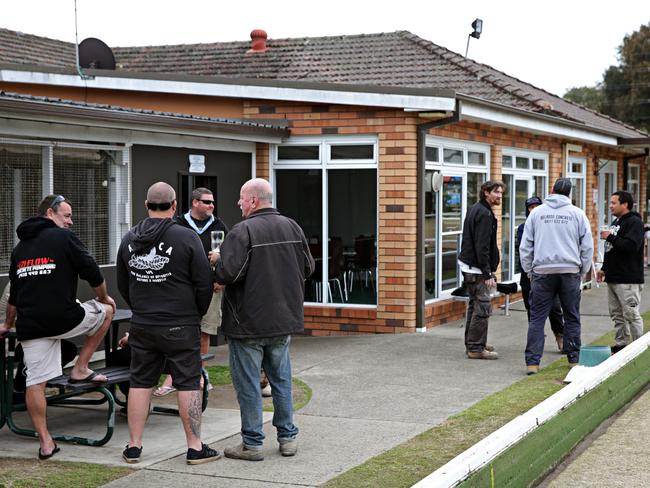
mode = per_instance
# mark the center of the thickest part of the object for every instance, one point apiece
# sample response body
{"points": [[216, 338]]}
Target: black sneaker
{"points": [[205, 455], [132, 454], [617, 348]]}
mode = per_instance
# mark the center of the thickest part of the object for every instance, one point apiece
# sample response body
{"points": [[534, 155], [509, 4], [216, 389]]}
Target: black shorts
{"points": [[180, 347]]}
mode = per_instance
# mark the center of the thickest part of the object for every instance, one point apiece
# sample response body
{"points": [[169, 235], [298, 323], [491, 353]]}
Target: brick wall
{"points": [[396, 131]]}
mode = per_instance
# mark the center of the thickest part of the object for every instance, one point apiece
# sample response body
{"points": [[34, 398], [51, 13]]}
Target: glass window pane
{"points": [[352, 151], [539, 188], [452, 190], [352, 210], [474, 182], [521, 194], [453, 156], [577, 191], [506, 161], [81, 175], [430, 237], [634, 172], [298, 152], [576, 167], [476, 158], [522, 163], [431, 154], [429, 272], [20, 193], [506, 226], [449, 269], [538, 163], [299, 196]]}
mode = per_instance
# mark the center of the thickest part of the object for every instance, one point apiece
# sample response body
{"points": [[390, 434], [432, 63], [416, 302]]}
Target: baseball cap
{"points": [[534, 200]]}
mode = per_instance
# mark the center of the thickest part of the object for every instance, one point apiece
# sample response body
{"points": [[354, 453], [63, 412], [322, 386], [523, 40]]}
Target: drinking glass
{"points": [[216, 237]]}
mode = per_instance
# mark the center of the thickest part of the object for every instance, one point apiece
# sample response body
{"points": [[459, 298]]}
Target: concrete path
{"points": [[370, 393]]}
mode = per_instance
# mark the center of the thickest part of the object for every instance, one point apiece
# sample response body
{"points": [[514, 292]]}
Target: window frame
{"points": [[578, 176], [324, 165], [451, 169]]}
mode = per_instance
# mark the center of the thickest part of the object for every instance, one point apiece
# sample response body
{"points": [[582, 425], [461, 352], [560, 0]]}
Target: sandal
{"points": [[163, 390]]}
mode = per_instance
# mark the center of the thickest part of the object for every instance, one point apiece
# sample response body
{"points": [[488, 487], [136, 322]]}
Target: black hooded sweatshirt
{"points": [[624, 250], [45, 267], [164, 274]]}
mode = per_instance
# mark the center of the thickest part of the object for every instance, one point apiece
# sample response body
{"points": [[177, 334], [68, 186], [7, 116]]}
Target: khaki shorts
{"points": [[43, 355], [211, 321]]}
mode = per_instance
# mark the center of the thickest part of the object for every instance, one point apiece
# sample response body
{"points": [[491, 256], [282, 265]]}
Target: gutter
{"points": [[422, 130]]}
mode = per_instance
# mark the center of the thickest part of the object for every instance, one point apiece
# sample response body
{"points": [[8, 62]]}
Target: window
{"points": [[576, 172], [462, 171], [633, 183], [93, 178], [527, 178], [334, 200]]}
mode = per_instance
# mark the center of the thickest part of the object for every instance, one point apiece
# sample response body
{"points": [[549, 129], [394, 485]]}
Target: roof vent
{"points": [[258, 44]]}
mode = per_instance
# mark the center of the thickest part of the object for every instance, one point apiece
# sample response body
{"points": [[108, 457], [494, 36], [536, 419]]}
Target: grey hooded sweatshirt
{"points": [[557, 238]]}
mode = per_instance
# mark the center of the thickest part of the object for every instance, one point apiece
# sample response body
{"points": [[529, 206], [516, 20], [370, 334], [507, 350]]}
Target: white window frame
{"points": [[451, 169], [121, 210], [637, 196], [579, 176], [523, 173], [324, 164]]}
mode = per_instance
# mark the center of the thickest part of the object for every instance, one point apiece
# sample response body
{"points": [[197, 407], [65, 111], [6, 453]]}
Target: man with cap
{"points": [[623, 269], [555, 317], [556, 251]]}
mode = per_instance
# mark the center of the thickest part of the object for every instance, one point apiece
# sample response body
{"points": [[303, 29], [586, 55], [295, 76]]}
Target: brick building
{"points": [[376, 144]]}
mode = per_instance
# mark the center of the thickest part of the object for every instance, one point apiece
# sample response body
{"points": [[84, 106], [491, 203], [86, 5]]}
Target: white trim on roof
{"points": [[411, 102], [475, 112]]}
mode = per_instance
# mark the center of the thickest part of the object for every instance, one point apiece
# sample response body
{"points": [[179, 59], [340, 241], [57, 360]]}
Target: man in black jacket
{"points": [[165, 277], [264, 262], [623, 269], [478, 260], [45, 267], [202, 220]]}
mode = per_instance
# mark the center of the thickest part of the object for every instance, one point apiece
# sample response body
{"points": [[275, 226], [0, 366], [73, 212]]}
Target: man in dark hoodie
{"points": [[45, 267], [264, 262], [478, 261], [623, 269], [165, 277], [555, 316]]}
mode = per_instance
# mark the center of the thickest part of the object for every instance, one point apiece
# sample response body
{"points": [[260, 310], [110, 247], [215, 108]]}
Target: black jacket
{"points": [[45, 267], [164, 274], [623, 261], [217, 224], [479, 247], [264, 263]]}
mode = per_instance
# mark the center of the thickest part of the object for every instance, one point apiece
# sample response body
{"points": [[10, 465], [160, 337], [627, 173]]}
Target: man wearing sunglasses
{"points": [[202, 220], [45, 267]]}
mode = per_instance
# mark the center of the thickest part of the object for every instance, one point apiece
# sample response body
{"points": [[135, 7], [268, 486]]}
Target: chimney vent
{"points": [[258, 44]]}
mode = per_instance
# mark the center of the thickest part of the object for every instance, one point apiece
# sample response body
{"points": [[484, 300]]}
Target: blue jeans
{"points": [[247, 357], [544, 287]]}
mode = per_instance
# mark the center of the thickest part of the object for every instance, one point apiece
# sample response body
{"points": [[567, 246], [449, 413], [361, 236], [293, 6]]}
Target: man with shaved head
{"points": [[264, 262], [165, 277]]}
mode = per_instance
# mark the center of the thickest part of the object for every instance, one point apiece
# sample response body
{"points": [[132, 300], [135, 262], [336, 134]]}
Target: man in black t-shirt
{"points": [[45, 267]]}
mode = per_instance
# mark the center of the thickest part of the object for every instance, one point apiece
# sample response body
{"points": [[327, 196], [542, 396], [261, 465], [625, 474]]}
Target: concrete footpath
{"points": [[370, 393]]}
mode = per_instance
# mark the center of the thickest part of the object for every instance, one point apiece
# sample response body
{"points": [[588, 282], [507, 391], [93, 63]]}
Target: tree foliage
{"points": [[625, 90], [588, 96]]}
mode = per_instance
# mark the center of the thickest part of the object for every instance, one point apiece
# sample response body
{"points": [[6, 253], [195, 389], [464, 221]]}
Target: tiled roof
{"points": [[398, 59]]}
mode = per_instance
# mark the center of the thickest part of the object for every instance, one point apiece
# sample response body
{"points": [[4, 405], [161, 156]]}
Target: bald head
{"points": [[161, 199], [254, 195]]}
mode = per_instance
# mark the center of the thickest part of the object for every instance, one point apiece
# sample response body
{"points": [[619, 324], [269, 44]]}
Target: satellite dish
{"points": [[95, 54], [436, 181]]}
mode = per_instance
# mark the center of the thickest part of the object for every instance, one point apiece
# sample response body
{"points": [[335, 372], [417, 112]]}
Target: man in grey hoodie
{"points": [[556, 251]]}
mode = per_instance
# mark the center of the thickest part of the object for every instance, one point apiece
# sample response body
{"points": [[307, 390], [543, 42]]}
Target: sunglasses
{"points": [[160, 207], [56, 201], [207, 202]]}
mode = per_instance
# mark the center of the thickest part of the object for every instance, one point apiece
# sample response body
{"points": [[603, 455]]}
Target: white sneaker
{"points": [[266, 391]]}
